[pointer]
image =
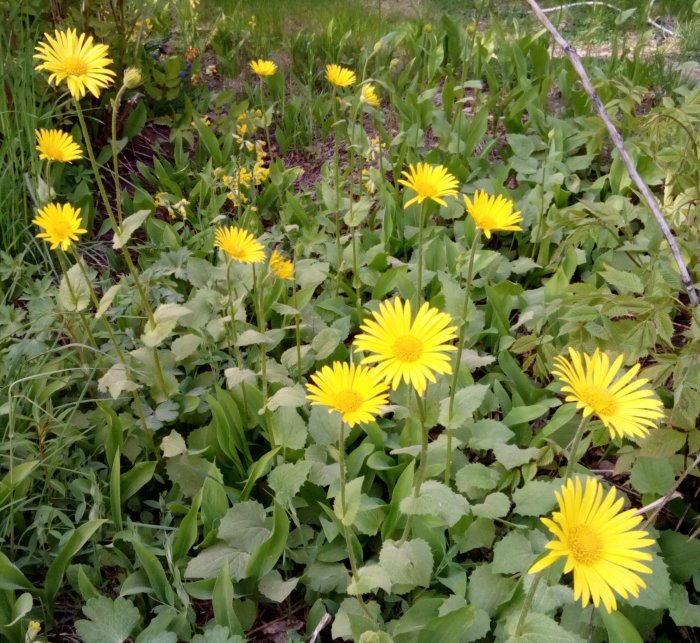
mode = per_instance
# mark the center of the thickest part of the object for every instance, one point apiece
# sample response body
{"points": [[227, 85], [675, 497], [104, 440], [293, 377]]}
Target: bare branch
{"points": [[644, 190]]}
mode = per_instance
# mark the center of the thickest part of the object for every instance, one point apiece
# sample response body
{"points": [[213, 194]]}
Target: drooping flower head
{"points": [[263, 67], [56, 145], [429, 182], [340, 76], [492, 213], [600, 543], [368, 96], [624, 406], [356, 392], [61, 224], [407, 349], [282, 268], [239, 244], [83, 65]]}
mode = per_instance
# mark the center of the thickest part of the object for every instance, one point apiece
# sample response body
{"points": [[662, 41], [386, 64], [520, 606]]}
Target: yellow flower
{"points": [[429, 182], [239, 244], [624, 406], [357, 393], [492, 213], [412, 350], [76, 60], [61, 224], [340, 76], [263, 67], [55, 145], [599, 542], [282, 268], [369, 96]]}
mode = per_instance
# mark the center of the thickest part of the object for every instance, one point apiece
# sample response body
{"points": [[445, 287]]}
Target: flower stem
{"points": [[336, 179], [423, 462], [460, 349], [574, 447], [264, 116], [343, 501], [421, 226], [234, 333], [297, 330], [526, 605], [115, 152]]}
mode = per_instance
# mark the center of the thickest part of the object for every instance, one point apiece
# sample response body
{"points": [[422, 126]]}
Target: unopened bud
{"points": [[132, 78]]}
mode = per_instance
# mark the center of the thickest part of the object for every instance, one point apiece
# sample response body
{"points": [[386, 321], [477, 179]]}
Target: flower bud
{"points": [[132, 78]]}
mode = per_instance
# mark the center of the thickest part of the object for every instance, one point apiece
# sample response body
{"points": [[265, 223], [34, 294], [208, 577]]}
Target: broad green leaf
{"points": [[115, 381], [166, 317], [476, 476], [681, 554], [156, 574], [11, 577], [619, 629], [523, 414], [222, 601], [353, 495], [55, 572], [107, 299], [622, 281], [539, 628], [511, 456], [652, 475], [266, 555], [110, 621], [243, 527], [467, 400], [287, 397], [452, 626], [135, 478], [235, 376], [683, 612], [657, 593], [353, 619], [408, 564], [287, 479], [436, 500], [326, 578], [208, 563], [185, 345], [274, 587], [513, 554], [74, 290], [489, 590], [326, 342], [217, 634], [487, 434], [536, 498], [130, 225], [370, 579], [173, 444], [495, 505]]}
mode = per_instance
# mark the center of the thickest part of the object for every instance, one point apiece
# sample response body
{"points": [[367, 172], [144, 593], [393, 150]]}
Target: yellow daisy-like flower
{"points": [[429, 182], [56, 145], [263, 67], [61, 224], [282, 268], [407, 349], [239, 244], [368, 95], [625, 407], [75, 59], [357, 393], [492, 213], [340, 76], [600, 543]]}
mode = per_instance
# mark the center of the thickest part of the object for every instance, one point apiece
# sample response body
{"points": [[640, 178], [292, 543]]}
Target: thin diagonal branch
{"points": [[642, 187]]}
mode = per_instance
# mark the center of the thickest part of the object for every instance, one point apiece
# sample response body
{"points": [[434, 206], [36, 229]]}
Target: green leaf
{"points": [[539, 628], [185, 345], [156, 574], [620, 630], [287, 479], [166, 317], [408, 564], [217, 634], [488, 590], [495, 505], [287, 397], [135, 478], [326, 342], [657, 593], [370, 579], [467, 400], [683, 612], [76, 541], [74, 290], [243, 527], [130, 225], [266, 555], [353, 619], [536, 498], [622, 281], [115, 381], [110, 621], [107, 300], [524, 414], [173, 444], [652, 475], [222, 601], [187, 531], [512, 554], [511, 456], [353, 495], [207, 564], [274, 587], [476, 476], [487, 434], [681, 554], [437, 500], [452, 626]]}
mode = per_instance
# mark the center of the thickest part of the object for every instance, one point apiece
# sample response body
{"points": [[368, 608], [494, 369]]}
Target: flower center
{"points": [[348, 401], [585, 545], [600, 400], [237, 252], [425, 188], [54, 152], [407, 348], [62, 229], [75, 66]]}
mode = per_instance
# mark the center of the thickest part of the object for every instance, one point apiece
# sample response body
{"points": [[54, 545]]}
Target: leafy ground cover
{"points": [[324, 314]]}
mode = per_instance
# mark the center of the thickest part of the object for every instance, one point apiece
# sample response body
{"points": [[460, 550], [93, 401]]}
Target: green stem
{"points": [[574, 447], [297, 330], [115, 152], [526, 606], [421, 226], [460, 349], [336, 179], [234, 333], [88, 331], [343, 502], [264, 116], [423, 462]]}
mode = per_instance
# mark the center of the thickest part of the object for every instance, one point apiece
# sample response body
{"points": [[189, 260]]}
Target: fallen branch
{"points": [[644, 190]]}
